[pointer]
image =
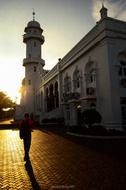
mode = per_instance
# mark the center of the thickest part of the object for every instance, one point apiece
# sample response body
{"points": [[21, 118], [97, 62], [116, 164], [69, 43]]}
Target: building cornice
{"points": [[107, 28]]}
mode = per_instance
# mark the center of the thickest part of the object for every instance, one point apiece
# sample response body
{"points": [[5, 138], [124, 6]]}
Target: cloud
{"points": [[116, 9]]}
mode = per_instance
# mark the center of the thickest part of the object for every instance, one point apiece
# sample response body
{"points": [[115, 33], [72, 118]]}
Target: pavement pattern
{"points": [[60, 162]]}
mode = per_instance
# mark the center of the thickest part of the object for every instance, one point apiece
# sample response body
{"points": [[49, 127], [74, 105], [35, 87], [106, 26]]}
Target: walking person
{"points": [[25, 134]]}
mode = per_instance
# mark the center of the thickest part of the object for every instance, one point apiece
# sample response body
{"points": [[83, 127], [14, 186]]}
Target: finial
{"points": [[102, 3], [33, 15], [103, 11]]}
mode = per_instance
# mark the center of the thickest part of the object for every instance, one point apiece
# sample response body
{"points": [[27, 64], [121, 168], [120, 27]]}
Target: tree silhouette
{"points": [[91, 116], [5, 102]]}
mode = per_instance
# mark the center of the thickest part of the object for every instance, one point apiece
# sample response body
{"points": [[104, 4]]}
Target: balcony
{"points": [[71, 96], [36, 36], [33, 60]]}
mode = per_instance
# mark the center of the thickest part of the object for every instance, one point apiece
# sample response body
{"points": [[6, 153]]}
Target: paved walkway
{"points": [[61, 163]]}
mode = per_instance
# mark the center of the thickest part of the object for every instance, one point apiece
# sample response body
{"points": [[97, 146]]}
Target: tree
{"points": [[5, 102]]}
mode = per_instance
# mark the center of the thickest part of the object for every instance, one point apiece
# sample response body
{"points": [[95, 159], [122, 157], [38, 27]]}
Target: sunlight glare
{"points": [[11, 75]]}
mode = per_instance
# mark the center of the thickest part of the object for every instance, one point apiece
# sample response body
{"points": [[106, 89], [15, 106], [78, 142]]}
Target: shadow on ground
{"points": [[31, 175], [113, 147]]}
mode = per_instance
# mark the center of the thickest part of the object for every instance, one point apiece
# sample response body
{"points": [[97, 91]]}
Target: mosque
{"points": [[93, 72]]}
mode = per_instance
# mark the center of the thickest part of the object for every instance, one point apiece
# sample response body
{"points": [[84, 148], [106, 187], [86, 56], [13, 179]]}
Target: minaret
{"points": [[33, 39]]}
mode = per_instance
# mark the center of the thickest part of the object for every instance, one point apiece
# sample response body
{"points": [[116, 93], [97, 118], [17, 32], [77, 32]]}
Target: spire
{"points": [[33, 13]]}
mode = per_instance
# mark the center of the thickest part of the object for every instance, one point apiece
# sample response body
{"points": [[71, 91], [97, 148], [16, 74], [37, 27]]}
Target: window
{"points": [[122, 69], [92, 76], [76, 79], [47, 99], [41, 101], [34, 44], [122, 73], [78, 82], [68, 115], [35, 68], [123, 109], [67, 84], [56, 95], [29, 82]]}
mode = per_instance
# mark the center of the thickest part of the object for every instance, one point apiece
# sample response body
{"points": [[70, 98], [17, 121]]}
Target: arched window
{"points": [[76, 79], [47, 99], [51, 97], [122, 69], [90, 78], [56, 95], [34, 44], [90, 73], [67, 83], [35, 68], [38, 101], [41, 100]]}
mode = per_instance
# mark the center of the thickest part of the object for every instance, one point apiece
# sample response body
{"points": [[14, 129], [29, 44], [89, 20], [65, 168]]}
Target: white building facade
{"points": [[93, 72]]}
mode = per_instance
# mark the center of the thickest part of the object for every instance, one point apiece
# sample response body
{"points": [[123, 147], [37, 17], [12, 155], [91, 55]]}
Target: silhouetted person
{"points": [[25, 134]]}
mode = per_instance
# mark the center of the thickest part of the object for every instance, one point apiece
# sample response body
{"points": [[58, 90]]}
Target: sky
{"points": [[65, 23]]}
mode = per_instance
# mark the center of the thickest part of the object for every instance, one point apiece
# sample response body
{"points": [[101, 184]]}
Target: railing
{"points": [[71, 96], [33, 60], [39, 36]]}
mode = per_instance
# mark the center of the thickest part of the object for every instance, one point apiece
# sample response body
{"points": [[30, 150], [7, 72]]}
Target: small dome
{"points": [[33, 24]]}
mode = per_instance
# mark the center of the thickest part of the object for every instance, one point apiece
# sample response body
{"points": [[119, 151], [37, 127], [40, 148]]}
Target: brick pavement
{"points": [[61, 163]]}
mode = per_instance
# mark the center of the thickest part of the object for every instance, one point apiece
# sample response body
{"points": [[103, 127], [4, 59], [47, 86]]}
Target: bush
{"points": [[53, 120], [91, 116], [46, 120]]}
